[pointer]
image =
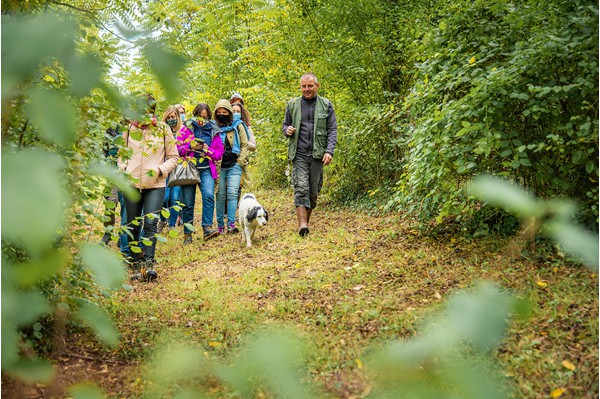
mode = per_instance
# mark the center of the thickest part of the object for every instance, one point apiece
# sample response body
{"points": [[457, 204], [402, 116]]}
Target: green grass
{"points": [[356, 283]]}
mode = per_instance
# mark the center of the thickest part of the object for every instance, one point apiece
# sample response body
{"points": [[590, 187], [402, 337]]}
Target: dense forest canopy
{"points": [[428, 94]]}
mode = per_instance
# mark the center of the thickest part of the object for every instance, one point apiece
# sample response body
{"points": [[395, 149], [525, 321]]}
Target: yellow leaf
{"points": [[213, 343], [568, 365], [325, 286], [472, 60], [542, 283], [557, 392], [359, 364]]}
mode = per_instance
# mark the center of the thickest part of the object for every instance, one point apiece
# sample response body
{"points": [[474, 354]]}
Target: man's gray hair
{"points": [[311, 75]]}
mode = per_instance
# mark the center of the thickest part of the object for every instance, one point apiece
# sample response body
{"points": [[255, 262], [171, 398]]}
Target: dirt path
{"points": [[355, 281]]}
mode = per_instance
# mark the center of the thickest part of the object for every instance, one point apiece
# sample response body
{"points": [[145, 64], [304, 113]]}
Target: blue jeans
{"points": [[188, 197], [123, 238], [229, 184], [172, 195], [150, 201]]}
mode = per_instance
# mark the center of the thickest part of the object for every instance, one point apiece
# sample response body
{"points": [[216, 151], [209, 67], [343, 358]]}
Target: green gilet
{"points": [[320, 131]]}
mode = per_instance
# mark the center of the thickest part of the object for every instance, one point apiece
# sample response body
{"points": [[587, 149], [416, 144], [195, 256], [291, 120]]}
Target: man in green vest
{"points": [[311, 128]]}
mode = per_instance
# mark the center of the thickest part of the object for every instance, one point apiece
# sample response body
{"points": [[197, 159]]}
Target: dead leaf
{"points": [[437, 295], [358, 287], [557, 392], [568, 365]]}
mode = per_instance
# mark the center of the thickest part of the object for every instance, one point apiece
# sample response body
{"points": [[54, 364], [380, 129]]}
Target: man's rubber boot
{"points": [[301, 214]]}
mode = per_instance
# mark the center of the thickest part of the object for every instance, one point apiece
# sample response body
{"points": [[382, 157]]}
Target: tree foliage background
{"points": [[428, 94]]}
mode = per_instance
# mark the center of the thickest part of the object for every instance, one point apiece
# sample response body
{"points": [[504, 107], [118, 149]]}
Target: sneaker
{"points": [[231, 229], [221, 229], [161, 225], [187, 239], [209, 233]]}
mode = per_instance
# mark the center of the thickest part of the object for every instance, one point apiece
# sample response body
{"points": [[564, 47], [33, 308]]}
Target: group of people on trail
{"points": [[218, 143]]}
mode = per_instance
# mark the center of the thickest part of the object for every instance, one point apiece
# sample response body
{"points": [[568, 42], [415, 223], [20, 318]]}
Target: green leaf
{"points": [[27, 177], [160, 238], [165, 213], [506, 195], [147, 242], [85, 73], [29, 273], [86, 391], [33, 370], [166, 65], [173, 233], [576, 241], [135, 249], [54, 115], [104, 265], [94, 317], [190, 226]]}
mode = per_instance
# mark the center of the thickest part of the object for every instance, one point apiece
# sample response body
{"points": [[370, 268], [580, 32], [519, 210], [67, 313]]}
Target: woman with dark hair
{"points": [[150, 155], [200, 143], [235, 141]]}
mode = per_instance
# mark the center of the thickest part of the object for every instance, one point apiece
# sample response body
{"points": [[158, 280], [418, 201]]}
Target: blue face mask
{"points": [[182, 116], [237, 117]]}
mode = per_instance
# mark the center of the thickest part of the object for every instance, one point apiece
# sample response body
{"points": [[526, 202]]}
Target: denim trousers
{"points": [[150, 202], [123, 238], [172, 196], [188, 197], [307, 177], [229, 184]]}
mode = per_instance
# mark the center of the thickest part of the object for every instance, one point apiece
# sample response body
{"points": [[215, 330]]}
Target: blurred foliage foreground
{"points": [[49, 273]]}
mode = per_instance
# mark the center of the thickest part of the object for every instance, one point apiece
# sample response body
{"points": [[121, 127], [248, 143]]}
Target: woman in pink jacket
{"points": [[149, 156], [199, 139]]}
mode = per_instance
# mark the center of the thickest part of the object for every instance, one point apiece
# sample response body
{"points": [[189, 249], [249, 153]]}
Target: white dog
{"points": [[252, 215]]}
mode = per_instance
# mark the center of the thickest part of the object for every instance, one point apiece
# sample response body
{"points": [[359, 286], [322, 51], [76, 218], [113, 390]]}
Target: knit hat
{"points": [[236, 95], [224, 104]]}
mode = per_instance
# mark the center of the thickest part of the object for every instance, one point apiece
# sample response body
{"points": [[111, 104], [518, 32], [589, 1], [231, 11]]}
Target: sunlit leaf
{"points": [[165, 213], [30, 273], [557, 393], [568, 365]]}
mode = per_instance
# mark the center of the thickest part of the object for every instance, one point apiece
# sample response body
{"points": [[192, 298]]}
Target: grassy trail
{"points": [[355, 282]]}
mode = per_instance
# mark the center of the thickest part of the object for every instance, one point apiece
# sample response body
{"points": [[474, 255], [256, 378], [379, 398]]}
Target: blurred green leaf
{"points": [[115, 177], [105, 266], [166, 65], [85, 73], [20, 308], [99, 321], [165, 213], [33, 370], [54, 115], [27, 177], [27, 41], [576, 241], [30, 273], [86, 391], [505, 194]]}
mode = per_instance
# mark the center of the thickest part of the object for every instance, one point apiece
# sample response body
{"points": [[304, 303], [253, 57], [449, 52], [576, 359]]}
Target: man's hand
{"points": [[327, 158], [289, 131]]}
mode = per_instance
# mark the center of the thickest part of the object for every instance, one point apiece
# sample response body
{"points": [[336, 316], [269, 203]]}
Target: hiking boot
{"points": [[231, 229], [209, 233], [187, 239], [149, 275], [221, 229], [161, 225]]}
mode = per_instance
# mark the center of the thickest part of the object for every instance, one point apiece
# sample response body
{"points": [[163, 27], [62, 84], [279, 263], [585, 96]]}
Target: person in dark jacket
{"points": [[311, 127]]}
